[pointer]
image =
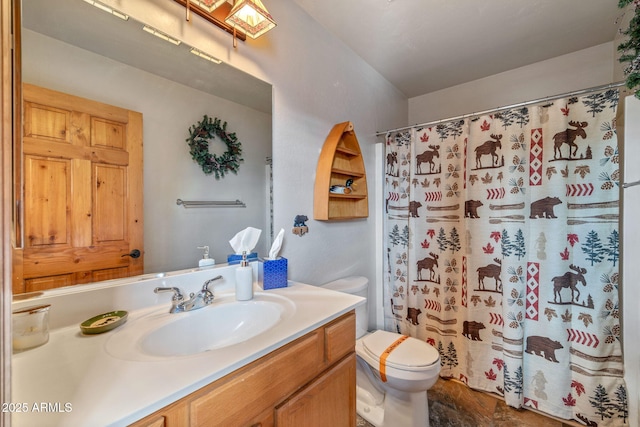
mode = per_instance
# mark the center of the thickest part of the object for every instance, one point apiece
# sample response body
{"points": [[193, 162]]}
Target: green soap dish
{"points": [[104, 322]]}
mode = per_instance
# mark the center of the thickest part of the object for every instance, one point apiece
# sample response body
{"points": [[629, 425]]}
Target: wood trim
{"points": [[68, 102], [7, 11], [96, 154], [216, 17], [136, 211], [68, 259], [17, 173]]}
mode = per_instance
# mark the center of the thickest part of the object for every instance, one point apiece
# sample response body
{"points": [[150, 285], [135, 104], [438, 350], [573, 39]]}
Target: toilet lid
{"points": [[349, 285], [408, 354]]}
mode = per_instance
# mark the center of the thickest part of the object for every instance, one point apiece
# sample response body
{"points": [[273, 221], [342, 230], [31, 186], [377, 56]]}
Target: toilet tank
{"points": [[354, 285]]}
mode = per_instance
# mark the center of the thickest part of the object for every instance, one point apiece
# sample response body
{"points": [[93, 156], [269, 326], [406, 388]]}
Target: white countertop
{"points": [[80, 384]]}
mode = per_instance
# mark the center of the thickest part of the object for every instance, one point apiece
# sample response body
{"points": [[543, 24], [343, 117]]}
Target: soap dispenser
{"points": [[206, 261], [244, 280]]}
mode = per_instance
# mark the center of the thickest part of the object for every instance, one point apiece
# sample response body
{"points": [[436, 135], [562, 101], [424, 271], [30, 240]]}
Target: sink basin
{"points": [[224, 323]]}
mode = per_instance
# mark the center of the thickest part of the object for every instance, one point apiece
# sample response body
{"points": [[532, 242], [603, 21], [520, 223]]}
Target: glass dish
{"points": [[30, 327]]}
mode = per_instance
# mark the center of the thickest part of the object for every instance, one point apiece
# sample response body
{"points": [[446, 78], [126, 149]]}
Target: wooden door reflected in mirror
{"points": [[82, 192]]}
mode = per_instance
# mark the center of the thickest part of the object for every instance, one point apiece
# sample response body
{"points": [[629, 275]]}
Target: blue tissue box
{"points": [[272, 273], [236, 259]]}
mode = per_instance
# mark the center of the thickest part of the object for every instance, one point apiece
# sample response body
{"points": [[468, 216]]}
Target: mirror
{"points": [[73, 47]]}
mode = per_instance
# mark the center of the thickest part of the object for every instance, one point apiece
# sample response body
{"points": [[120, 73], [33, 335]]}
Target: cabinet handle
{"points": [[256, 425]]}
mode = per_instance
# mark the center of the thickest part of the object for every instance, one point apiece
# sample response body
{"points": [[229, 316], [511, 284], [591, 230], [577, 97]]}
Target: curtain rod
{"points": [[508, 107]]}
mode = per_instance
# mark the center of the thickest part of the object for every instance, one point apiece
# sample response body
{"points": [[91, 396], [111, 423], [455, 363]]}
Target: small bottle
{"points": [[244, 280], [206, 261]]}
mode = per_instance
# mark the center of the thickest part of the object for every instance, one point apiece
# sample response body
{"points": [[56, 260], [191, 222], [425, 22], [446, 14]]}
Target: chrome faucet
{"points": [[202, 299]]}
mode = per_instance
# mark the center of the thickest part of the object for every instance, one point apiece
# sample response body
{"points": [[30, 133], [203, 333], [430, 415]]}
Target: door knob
{"points": [[133, 254]]}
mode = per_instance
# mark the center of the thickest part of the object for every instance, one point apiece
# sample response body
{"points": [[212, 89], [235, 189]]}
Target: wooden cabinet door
{"points": [[174, 415], [330, 400], [82, 191], [245, 397]]}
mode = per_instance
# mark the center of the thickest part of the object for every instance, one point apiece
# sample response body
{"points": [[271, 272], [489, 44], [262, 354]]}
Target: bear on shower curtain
{"points": [[502, 252]]}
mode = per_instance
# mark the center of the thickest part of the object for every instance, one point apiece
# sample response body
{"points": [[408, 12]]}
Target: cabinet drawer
{"points": [[158, 421], [174, 415], [243, 398], [340, 337]]}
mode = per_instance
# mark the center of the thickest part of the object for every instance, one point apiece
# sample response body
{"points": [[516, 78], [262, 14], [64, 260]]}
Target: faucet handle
{"points": [[205, 287], [177, 294], [207, 295]]}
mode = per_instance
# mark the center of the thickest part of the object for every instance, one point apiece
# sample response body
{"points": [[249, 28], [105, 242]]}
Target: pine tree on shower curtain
{"points": [[502, 252]]}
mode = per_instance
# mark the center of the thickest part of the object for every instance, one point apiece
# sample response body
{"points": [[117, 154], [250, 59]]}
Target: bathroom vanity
{"points": [[309, 382], [299, 371]]}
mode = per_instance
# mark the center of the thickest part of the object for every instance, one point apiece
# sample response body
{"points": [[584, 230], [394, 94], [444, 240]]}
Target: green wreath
{"points": [[199, 136]]}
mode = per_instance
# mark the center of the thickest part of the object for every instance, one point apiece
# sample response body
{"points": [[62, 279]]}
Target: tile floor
{"points": [[451, 404]]}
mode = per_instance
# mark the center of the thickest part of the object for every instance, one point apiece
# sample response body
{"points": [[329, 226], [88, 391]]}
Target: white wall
{"points": [[578, 70], [171, 232], [317, 83]]}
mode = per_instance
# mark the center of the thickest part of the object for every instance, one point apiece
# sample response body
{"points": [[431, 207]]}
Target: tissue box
{"points": [[272, 273], [235, 259]]}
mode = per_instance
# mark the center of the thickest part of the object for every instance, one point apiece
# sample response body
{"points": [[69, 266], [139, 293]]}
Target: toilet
{"points": [[394, 371]]}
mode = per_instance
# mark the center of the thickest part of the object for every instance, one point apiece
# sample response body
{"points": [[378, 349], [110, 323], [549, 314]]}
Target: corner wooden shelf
{"points": [[339, 161]]}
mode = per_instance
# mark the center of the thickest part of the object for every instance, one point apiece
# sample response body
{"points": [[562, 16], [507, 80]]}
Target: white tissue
{"points": [[245, 240], [277, 245]]}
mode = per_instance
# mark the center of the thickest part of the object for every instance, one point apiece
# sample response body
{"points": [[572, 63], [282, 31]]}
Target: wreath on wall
{"points": [[199, 136], [630, 48]]}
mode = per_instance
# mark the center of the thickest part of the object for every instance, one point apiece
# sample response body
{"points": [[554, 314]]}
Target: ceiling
{"points": [[421, 46]]}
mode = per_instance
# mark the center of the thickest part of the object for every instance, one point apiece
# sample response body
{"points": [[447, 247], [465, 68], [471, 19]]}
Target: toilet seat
{"points": [[409, 355]]}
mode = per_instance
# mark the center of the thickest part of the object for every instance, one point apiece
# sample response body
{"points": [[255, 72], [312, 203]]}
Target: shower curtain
{"points": [[502, 252]]}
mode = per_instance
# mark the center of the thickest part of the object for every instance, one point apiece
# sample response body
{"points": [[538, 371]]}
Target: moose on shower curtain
{"points": [[502, 252]]}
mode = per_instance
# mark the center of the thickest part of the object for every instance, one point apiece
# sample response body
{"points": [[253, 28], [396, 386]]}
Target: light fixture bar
{"points": [[107, 9], [208, 5], [161, 35], [205, 56]]}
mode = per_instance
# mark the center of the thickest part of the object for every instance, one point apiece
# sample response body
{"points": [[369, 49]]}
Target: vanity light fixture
{"points": [[208, 5], [241, 18], [250, 17], [107, 9], [161, 35], [205, 56]]}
